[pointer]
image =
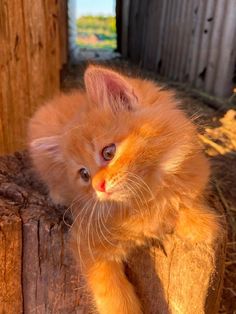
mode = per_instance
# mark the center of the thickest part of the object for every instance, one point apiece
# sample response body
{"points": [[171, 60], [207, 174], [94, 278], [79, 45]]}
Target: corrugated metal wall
{"points": [[185, 40]]}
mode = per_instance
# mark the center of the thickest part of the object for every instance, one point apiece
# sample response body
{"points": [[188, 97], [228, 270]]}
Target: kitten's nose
{"points": [[101, 186]]}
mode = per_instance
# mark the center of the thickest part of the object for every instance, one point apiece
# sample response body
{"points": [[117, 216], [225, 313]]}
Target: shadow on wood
{"points": [[39, 275]]}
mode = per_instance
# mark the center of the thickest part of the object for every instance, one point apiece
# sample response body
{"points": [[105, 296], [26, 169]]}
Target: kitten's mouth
{"points": [[104, 195], [110, 195]]}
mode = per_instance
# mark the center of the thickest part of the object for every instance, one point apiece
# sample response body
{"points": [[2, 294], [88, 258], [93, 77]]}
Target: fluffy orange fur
{"points": [[154, 183]]}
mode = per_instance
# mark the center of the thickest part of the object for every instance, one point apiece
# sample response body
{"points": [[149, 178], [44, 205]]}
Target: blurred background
{"points": [[96, 25]]}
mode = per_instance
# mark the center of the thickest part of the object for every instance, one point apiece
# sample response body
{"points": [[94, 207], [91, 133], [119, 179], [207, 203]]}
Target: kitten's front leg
{"points": [[112, 292]]}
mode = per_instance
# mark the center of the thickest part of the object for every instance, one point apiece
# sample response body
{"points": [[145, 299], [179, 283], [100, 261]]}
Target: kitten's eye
{"points": [[108, 152], [84, 174]]}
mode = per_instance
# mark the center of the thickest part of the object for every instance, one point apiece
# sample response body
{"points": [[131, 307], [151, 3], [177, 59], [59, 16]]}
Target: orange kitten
{"points": [[129, 162]]}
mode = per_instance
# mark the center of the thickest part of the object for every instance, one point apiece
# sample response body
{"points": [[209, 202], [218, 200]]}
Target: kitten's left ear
{"points": [[108, 88], [48, 146]]}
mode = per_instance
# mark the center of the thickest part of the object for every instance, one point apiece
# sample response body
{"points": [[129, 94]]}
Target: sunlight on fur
{"points": [[127, 162]]}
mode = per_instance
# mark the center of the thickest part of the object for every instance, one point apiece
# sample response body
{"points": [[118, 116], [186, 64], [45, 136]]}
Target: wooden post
{"points": [[36, 261], [10, 259], [63, 34], [29, 64], [14, 99], [125, 27]]}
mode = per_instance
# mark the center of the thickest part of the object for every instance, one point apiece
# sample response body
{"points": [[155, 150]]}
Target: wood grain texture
{"points": [[10, 259], [177, 279], [29, 65], [13, 83], [63, 34]]}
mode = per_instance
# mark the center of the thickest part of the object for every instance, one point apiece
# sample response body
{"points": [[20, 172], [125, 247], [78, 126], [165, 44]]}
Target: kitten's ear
{"points": [[108, 88], [48, 146]]}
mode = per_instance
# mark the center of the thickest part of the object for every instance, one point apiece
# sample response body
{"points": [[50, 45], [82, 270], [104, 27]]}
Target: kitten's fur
{"points": [[156, 177]]}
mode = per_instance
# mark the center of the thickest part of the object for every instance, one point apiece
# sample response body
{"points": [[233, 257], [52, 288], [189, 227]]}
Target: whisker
{"points": [[70, 208], [79, 233], [103, 235], [139, 187], [88, 229]]}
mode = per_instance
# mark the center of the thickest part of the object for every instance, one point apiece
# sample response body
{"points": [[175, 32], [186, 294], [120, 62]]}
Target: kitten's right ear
{"points": [[48, 146], [108, 88]]}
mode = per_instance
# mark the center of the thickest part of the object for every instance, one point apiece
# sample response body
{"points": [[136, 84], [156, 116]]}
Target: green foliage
{"points": [[97, 32]]}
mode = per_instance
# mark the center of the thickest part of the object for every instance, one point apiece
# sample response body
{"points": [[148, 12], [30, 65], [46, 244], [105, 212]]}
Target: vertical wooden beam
{"points": [[125, 27], [10, 261], [29, 64], [13, 79], [153, 35], [63, 31], [52, 44], [36, 52]]}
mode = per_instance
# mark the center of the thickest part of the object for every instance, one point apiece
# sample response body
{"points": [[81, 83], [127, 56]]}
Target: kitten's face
{"points": [[107, 155], [118, 149]]}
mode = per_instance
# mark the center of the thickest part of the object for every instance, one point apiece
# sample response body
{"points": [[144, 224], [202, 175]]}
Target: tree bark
{"points": [[38, 273]]}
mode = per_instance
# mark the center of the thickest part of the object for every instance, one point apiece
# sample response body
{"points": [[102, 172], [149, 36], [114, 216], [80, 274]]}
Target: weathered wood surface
{"points": [[63, 34], [38, 272], [30, 62]]}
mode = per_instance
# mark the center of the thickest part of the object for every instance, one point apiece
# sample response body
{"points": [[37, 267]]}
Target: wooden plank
{"points": [[136, 30], [152, 35], [18, 80], [10, 260], [119, 24], [52, 47], [14, 82], [5, 94], [30, 63], [36, 51], [125, 27], [187, 279], [63, 31]]}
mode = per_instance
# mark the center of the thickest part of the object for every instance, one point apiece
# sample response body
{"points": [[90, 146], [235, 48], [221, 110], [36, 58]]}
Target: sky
{"points": [[95, 7]]}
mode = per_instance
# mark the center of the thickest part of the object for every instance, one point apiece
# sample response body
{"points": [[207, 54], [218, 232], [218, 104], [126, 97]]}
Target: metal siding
{"points": [[186, 40], [223, 81]]}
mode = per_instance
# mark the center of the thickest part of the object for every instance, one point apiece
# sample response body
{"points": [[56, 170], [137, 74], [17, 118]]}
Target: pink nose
{"points": [[101, 186]]}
